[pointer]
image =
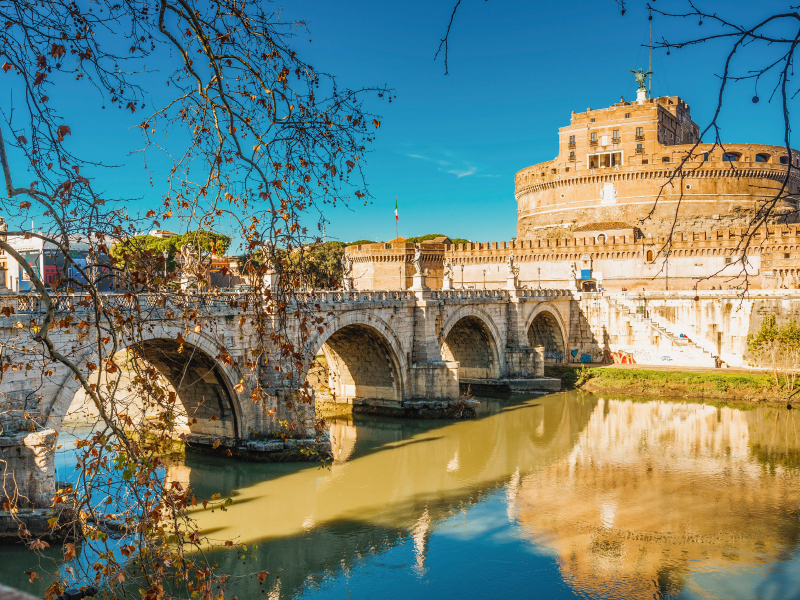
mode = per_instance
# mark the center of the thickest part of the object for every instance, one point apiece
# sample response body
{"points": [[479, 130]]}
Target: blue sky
{"points": [[449, 146]]}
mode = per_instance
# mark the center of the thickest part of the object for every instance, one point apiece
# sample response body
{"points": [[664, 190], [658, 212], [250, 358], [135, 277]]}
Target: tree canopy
{"points": [[150, 246], [429, 236]]}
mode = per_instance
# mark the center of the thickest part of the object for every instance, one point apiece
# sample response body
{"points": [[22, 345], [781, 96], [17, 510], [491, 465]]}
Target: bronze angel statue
{"points": [[640, 77]]}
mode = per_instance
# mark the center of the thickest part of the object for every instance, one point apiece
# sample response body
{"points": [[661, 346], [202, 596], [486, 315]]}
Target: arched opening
{"points": [[160, 374], [356, 364], [471, 344], [545, 331], [784, 160], [731, 156], [762, 157], [589, 286], [199, 383], [649, 256]]}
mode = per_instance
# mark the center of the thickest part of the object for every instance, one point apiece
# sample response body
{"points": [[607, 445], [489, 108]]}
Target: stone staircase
{"points": [[630, 312]]}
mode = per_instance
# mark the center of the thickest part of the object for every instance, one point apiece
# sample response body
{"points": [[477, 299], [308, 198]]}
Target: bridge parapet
{"points": [[469, 294], [32, 303]]}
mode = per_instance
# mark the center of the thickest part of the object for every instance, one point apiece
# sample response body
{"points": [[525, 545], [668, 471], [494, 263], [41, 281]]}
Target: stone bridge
{"points": [[387, 349]]}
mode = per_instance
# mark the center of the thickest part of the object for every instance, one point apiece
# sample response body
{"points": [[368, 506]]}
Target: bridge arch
{"points": [[204, 386], [470, 337], [365, 359], [545, 328]]}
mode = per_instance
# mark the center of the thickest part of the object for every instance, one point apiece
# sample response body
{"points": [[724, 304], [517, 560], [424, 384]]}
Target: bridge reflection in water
{"points": [[614, 498]]}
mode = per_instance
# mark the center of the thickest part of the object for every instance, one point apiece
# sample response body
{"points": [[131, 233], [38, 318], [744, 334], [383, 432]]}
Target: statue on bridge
{"points": [[418, 279], [512, 282], [573, 276], [347, 272], [193, 268], [447, 275], [417, 261]]}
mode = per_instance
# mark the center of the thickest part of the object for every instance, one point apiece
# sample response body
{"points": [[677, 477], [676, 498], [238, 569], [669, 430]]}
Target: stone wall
{"points": [[673, 328], [696, 259], [710, 194], [388, 266], [27, 467]]}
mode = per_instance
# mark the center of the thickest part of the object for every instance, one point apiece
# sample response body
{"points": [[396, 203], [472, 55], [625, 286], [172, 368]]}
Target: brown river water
{"points": [[558, 496]]}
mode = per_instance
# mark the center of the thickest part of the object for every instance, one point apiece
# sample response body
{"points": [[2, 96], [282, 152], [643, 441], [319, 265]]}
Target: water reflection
{"points": [[568, 495], [654, 491], [631, 498]]}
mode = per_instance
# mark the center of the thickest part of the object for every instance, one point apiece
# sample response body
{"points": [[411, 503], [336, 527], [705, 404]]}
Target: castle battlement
{"points": [[702, 259]]}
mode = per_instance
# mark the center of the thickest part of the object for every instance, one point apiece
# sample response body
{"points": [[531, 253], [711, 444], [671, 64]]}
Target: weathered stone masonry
{"points": [[383, 349]]}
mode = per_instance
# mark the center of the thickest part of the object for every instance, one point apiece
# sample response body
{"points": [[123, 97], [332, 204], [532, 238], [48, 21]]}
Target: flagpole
{"points": [[396, 236]]}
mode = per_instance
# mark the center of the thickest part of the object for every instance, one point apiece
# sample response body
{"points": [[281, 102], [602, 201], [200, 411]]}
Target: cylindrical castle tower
{"points": [[618, 167]]}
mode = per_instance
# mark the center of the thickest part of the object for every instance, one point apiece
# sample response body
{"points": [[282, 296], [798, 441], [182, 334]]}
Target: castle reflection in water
{"points": [[628, 498]]}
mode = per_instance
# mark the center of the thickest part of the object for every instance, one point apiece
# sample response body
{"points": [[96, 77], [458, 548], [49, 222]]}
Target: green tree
{"points": [[149, 247], [429, 236], [778, 348], [319, 265]]}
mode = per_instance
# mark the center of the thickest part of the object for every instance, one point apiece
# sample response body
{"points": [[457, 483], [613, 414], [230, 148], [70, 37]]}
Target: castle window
{"points": [[731, 156], [705, 156], [627, 115], [639, 148], [605, 159], [784, 160], [615, 136], [664, 159], [649, 256], [728, 261], [591, 120], [640, 133], [593, 138], [787, 255], [601, 239], [572, 141], [572, 155], [645, 161], [553, 171]]}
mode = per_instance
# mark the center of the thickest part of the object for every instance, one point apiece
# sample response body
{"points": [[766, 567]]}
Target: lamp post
{"points": [[165, 254], [484, 279]]}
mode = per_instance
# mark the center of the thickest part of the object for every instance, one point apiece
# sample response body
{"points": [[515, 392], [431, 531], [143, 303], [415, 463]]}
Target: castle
{"points": [[633, 200]]}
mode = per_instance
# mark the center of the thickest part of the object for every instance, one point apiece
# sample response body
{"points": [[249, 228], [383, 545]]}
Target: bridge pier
{"points": [[27, 466]]}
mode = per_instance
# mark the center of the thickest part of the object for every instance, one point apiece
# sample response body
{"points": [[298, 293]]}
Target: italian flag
{"points": [[396, 216]]}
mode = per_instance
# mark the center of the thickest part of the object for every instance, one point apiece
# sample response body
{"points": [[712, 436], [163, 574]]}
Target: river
{"points": [[570, 495]]}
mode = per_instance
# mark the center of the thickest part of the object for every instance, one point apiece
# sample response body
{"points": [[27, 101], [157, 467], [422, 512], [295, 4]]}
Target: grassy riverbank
{"points": [[736, 387]]}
